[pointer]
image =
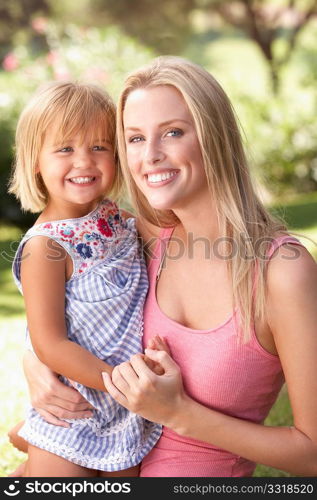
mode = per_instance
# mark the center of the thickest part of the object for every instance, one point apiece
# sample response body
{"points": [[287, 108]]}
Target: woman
{"points": [[233, 294]]}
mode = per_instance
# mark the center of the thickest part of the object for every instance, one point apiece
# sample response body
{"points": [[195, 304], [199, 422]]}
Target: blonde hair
{"points": [[244, 219], [73, 108]]}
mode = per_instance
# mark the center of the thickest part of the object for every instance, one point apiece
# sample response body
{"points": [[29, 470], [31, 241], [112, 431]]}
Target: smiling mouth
{"points": [[160, 177], [81, 180]]}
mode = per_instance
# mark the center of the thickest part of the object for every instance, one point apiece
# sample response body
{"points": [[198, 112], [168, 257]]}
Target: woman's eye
{"points": [[175, 132], [137, 138], [99, 148]]}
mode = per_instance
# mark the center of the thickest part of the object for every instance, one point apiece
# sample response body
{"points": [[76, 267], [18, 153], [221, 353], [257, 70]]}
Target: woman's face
{"points": [[162, 146]]}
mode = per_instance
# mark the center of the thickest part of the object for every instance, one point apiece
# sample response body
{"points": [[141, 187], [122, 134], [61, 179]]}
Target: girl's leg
{"points": [[42, 463], [19, 471], [131, 472], [17, 441]]}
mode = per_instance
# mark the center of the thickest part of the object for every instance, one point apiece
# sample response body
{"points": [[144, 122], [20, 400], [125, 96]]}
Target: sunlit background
{"points": [[264, 54]]}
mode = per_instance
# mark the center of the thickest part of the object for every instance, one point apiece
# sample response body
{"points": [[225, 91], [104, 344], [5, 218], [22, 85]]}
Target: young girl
{"points": [[83, 279]]}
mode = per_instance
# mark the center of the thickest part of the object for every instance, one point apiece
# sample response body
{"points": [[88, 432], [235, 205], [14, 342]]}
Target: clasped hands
{"points": [[149, 384]]}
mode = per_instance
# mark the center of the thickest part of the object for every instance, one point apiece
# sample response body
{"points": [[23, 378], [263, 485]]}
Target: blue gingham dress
{"points": [[104, 313]]}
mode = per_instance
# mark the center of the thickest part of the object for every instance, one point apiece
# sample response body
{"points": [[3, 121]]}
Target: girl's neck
{"points": [[63, 212]]}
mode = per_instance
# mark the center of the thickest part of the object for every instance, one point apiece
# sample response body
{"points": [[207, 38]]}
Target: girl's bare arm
{"points": [[43, 281]]}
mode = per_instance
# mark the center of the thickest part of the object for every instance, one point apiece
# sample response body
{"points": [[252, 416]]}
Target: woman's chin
{"points": [[161, 203], [161, 206]]}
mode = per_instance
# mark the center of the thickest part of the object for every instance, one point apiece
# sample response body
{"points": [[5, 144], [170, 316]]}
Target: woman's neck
{"points": [[200, 223]]}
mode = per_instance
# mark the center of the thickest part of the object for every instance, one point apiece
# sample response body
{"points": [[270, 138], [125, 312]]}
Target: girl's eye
{"points": [[175, 132], [65, 150]]}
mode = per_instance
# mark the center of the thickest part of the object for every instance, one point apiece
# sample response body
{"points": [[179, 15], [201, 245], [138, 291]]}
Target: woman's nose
{"points": [[153, 152]]}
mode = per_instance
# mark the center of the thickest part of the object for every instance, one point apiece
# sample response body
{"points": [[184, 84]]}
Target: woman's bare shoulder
{"points": [[293, 265]]}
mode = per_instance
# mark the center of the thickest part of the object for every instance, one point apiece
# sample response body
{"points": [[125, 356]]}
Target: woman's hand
{"points": [[159, 398], [49, 396]]}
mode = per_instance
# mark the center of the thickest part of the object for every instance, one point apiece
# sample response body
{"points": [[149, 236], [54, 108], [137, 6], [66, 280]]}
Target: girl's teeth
{"points": [[161, 177], [82, 180]]}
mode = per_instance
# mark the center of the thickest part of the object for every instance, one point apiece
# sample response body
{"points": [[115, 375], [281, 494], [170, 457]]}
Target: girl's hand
{"points": [[49, 396], [159, 398], [159, 344]]}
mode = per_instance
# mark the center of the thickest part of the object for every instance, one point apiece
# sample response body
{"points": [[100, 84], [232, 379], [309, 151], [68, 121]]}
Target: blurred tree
{"points": [[16, 16], [168, 26], [273, 25], [266, 23]]}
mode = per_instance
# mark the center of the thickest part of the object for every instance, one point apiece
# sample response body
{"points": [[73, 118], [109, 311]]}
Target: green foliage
{"points": [[165, 26], [283, 140], [280, 131], [15, 20], [11, 301]]}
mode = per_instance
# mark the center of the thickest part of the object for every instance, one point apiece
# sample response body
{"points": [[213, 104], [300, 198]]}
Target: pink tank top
{"points": [[239, 379]]}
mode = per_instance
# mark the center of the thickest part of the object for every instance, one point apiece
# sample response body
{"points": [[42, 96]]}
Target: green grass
{"points": [[14, 395], [301, 214], [13, 388], [11, 302]]}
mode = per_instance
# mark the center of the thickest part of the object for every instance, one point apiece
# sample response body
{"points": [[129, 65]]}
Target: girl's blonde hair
{"points": [[246, 222], [72, 108]]}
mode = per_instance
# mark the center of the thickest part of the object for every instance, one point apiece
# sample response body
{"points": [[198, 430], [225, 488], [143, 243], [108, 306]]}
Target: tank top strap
{"points": [[156, 260], [276, 243], [282, 240]]}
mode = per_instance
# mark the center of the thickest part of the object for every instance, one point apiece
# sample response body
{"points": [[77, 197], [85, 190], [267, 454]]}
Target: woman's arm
{"points": [[43, 284], [49, 396], [292, 316]]}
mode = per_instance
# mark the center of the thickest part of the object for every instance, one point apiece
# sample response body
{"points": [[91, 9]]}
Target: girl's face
{"points": [[76, 173], [163, 150]]}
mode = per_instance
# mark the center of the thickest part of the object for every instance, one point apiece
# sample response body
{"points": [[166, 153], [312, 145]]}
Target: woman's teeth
{"points": [[82, 180], [161, 177]]}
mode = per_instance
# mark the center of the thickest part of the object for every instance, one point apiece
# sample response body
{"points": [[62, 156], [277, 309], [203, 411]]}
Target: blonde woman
{"points": [[231, 291]]}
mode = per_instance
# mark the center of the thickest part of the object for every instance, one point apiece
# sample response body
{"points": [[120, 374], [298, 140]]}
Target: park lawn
{"points": [[300, 212], [13, 389]]}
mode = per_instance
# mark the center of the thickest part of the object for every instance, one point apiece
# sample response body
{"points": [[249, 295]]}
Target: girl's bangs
{"points": [[89, 120], [95, 129]]}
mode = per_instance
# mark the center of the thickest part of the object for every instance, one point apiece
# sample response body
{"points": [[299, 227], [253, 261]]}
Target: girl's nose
{"points": [[82, 160]]}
